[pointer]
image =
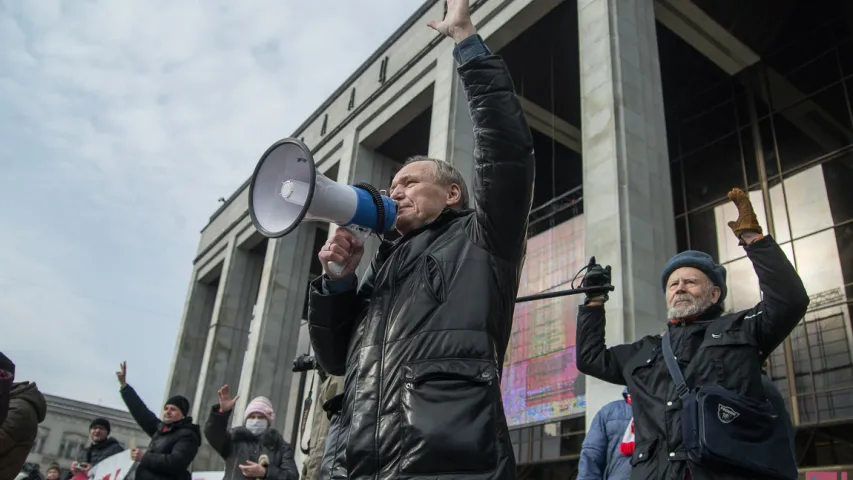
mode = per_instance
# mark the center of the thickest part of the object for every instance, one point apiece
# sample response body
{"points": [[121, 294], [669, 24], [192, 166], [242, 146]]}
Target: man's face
{"points": [[97, 434], [689, 292], [419, 198], [172, 414]]}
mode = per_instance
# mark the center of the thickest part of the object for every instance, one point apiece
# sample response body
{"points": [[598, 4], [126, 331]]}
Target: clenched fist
{"points": [[746, 221], [344, 249]]}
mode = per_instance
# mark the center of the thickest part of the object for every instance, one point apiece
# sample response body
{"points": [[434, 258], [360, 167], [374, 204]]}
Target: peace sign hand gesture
{"points": [[457, 21], [122, 374]]}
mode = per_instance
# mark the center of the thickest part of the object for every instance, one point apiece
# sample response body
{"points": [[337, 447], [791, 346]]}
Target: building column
{"points": [[627, 195], [274, 333], [227, 337], [451, 135], [192, 336]]}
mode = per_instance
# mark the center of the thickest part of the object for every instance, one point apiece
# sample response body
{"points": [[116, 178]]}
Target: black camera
{"points": [[304, 363]]}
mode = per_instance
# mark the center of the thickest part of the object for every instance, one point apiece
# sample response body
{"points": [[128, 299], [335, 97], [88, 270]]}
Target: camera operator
{"points": [[716, 352]]}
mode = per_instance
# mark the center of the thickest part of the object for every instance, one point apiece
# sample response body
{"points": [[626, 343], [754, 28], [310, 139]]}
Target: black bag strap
{"points": [[672, 365]]}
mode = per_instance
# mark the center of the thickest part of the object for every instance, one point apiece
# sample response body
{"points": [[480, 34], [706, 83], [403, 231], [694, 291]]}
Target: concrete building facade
{"points": [[644, 114], [65, 430]]}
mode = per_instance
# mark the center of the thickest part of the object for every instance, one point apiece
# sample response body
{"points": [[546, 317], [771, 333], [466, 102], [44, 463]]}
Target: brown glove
{"points": [[747, 221]]}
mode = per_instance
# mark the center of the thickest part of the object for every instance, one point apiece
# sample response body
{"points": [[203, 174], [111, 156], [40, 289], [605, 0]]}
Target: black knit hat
{"points": [[6, 364], [181, 402], [100, 422]]}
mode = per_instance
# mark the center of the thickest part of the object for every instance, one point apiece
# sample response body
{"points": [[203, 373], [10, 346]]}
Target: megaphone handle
{"points": [[358, 232]]}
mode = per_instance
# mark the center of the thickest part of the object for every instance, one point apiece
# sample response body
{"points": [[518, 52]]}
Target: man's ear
{"points": [[454, 195], [715, 293]]}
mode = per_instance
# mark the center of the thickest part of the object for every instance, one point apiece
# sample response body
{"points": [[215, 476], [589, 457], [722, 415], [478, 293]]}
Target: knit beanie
{"points": [[6, 364], [701, 261], [180, 402], [260, 405], [100, 422]]}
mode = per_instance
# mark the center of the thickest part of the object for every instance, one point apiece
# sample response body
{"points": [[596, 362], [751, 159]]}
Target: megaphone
{"points": [[286, 189]]}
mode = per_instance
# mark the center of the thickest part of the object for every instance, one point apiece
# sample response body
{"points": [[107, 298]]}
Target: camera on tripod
{"points": [[304, 363]]}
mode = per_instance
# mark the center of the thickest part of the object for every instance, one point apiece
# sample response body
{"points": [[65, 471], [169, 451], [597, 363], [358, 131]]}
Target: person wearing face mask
{"points": [[174, 438], [253, 450], [101, 447]]}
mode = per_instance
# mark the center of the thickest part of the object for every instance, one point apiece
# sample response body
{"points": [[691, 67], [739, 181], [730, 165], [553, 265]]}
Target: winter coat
{"points": [[422, 341], [98, 452], [601, 458], [778, 401], [320, 428], [18, 433], [726, 350], [333, 466], [6, 379], [240, 445], [173, 446]]}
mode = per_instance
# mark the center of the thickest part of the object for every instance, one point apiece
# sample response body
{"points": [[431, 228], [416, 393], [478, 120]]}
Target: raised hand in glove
{"points": [[746, 227], [596, 276]]}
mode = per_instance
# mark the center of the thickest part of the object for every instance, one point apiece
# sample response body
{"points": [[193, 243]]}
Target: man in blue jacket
{"points": [[609, 443]]}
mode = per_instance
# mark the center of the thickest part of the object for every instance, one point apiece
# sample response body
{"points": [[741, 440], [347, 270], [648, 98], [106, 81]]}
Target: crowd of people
{"points": [[411, 354]]}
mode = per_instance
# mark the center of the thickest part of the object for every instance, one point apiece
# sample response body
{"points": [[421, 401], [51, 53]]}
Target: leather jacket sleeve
{"points": [[592, 355], [332, 318], [216, 431], [785, 299], [503, 154], [145, 418]]}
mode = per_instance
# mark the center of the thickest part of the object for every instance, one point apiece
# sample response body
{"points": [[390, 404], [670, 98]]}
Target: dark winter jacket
{"points": [[726, 350], [421, 343], [98, 452], [601, 458], [778, 402], [18, 432], [240, 445], [333, 466], [173, 446]]}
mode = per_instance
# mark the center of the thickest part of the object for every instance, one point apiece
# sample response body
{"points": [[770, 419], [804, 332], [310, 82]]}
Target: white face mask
{"points": [[257, 425]]}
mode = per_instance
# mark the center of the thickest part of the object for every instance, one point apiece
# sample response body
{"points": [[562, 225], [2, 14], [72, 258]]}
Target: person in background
{"points": [[19, 429], [53, 471], [7, 375], [174, 439], [253, 450], [29, 471], [101, 447], [609, 443]]}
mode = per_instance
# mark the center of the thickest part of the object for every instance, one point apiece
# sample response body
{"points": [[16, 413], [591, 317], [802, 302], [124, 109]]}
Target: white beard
{"points": [[694, 305]]}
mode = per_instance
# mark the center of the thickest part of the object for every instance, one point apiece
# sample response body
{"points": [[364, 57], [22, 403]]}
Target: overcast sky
{"points": [[121, 124]]}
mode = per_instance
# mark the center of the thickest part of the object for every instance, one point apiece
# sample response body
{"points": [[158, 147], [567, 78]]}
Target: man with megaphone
{"points": [[421, 341]]}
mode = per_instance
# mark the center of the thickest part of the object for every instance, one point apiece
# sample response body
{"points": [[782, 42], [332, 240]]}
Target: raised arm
{"points": [[785, 300], [145, 418], [503, 145]]}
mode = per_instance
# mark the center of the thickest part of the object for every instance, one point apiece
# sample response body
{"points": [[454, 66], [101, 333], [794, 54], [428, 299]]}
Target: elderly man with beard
{"points": [[710, 347]]}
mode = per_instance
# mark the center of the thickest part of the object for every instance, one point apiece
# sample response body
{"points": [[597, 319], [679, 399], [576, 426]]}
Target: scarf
{"points": [[627, 445]]}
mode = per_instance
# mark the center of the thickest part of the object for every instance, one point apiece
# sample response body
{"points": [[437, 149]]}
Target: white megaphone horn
{"points": [[286, 189]]}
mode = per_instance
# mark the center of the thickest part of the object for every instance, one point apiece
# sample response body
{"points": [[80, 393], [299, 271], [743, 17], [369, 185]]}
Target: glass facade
{"points": [[783, 130]]}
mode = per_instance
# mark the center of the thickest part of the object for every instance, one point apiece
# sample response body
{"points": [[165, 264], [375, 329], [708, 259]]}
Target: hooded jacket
{"points": [[173, 446], [421, 343], [239, 446], [27, 409], [714, 349], [601, 458]]}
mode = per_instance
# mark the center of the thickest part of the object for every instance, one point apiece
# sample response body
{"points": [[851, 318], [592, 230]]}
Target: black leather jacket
{"points": [[173, 446], [421, 343], [239, 445], [726, 350]]}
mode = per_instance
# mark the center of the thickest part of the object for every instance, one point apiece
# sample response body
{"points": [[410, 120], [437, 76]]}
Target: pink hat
{"points": [[260, 405]]}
